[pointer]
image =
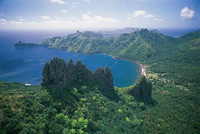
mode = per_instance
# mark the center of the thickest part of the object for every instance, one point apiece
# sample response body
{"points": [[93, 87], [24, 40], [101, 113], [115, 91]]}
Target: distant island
{"points": [[119, 32], [21, 44]]}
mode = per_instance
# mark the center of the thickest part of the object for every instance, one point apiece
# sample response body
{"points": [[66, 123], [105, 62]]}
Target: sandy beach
{"points": [[142, 68]]}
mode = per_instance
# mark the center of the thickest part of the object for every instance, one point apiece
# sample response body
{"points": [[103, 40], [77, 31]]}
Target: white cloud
{"points": [[22, 19], [142, 14], [102, 19], [2, 20], [86, 17], [58, 1], [149, 16], [98, 19], [87, 22], [75, 19], [156, 19], [88, 12], [74, 4], [139, 13], [64, 11], [45, 17], [186, 13], [129, 18], [14, 22], [86, 0]]}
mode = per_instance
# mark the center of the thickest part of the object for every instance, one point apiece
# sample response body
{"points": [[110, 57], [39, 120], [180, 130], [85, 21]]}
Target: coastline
{"points": [[141, 66], [142, 70]]}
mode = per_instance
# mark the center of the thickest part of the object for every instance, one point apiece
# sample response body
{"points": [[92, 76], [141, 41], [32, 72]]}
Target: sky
{"points": [[98, 14]]}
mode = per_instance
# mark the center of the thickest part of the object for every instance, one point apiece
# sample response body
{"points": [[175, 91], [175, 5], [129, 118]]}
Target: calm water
{"points": [[25, 64], [176, 32]]}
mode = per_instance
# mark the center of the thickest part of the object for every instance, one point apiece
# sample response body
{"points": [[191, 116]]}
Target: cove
{"points": [[25, 65]]}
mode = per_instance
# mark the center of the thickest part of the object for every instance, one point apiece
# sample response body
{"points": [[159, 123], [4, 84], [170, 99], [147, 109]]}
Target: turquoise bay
{"points": [[25, 64]]}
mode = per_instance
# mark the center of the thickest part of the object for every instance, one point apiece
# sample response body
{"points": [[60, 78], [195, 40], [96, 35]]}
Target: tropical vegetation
{"points": [[173, 68]]}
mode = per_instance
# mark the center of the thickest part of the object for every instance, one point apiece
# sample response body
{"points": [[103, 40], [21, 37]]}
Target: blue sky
{"points": [[98, 14]]}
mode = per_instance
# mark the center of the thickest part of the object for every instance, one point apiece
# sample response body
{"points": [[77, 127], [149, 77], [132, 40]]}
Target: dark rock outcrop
{"points": [[64, 77], [142, 88], [104, 80]]}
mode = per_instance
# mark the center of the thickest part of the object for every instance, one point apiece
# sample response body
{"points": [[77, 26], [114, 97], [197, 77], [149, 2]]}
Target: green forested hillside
{"points": [[72, 100], [178, 57], [173, 67], [87, 42]]}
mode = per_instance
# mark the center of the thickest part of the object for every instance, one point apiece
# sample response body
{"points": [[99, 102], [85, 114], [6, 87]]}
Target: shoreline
{"points": [[142, 69], [141, 66]]}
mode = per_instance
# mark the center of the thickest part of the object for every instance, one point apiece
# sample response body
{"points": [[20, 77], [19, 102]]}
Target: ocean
{"points": [[25, 64], [176, 32]]}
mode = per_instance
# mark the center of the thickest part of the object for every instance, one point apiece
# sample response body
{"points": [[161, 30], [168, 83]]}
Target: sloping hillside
{"points": [[176, 57], [173, 67], [138, 45], [87, 42]]}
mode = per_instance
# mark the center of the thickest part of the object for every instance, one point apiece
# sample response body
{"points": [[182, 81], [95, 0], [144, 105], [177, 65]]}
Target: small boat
{"points": [[27, 84]]}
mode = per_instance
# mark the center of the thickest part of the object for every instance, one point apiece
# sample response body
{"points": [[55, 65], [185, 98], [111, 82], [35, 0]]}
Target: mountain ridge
{"points": [[172, 66], [144, 46]]}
